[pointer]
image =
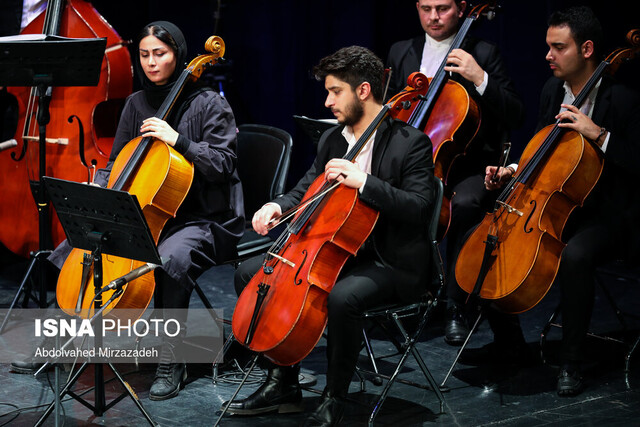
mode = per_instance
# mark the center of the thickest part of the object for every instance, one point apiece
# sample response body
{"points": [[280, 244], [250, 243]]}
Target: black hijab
{"points": [[173, 37]]}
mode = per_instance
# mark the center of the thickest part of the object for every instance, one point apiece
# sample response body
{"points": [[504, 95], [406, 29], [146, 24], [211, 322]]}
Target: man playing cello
{"points": [[478, 67], [393, 174], [596, 232]]}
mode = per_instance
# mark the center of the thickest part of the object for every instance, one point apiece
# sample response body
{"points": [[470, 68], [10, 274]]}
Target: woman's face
{"points": [[157, 59]]}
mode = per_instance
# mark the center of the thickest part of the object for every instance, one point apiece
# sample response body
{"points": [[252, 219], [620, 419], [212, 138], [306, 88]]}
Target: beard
{"points": [[353, 113]]}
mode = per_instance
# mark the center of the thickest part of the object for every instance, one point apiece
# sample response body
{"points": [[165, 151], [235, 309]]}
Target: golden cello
{"points": [[160, 178], [513, 255]]}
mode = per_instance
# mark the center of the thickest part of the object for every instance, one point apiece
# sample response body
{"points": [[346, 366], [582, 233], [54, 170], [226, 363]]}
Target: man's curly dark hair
{"points": [[354, 65]]}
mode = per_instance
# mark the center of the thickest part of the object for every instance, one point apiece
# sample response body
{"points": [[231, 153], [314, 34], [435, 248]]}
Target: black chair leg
{"points": [[409, 349], [376, 379], [627, 359], [220, 357]]}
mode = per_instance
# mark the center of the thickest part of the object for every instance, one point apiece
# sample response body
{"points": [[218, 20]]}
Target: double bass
{"points": [[160, 177], [282, 311], [513, 255], [443, 109], [79, 134]]}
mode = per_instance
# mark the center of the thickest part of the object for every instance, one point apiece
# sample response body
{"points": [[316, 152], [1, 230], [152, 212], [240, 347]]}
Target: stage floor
{"points": [[497, 395]]}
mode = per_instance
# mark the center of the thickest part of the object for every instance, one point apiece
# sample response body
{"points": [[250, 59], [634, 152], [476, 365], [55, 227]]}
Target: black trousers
{"points": [[468, 206], [592, 242], [362, 285]]}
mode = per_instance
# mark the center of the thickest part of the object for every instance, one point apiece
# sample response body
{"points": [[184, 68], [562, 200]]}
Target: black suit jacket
{"points": [[500, 106], [400, 187], [615, 197], [615, 200]]}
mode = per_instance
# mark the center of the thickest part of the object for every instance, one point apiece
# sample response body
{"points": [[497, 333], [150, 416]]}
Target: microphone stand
{"points": [[92, 319]]}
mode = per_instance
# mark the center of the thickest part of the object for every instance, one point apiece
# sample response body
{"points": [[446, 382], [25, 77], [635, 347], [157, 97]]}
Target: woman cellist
{"points": [[210, 221], [600, 230], [392, 174]]}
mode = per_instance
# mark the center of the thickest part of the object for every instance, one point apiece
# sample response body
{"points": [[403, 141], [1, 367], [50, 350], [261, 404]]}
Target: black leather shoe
{"points": [[279, 393], [456, 329], [569, 381], [329, 413], [170, 378], [28, 365], [25, 366]]}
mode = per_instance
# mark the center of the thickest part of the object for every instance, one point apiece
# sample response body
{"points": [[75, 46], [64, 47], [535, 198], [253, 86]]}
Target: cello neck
{"points": [[373, 126], [351, 155], [550, 141], [162, 113], [168, 103], [422, 111], [591, 83]]}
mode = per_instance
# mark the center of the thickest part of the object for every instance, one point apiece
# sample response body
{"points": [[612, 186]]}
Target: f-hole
{"points": [[296, 280], [535, 206]]}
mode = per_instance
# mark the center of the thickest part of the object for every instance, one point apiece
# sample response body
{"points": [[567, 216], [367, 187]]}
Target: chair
{"points": [[263, 163], [620, 271], [396, 313]]}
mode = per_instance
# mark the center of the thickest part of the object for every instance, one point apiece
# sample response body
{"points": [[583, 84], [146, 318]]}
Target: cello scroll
{"points": [[215, 45], [618, 56]]}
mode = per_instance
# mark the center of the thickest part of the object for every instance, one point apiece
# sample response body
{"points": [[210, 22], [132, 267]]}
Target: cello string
{"points": [[296, 225], [417, 118], [291, 212], [424, 105], [551, 139]]}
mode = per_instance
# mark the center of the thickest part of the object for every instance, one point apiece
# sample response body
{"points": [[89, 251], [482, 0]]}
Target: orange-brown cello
{"points": [[160, 177], [512, 257], [82, 126], [444, 110], [283, 309]]}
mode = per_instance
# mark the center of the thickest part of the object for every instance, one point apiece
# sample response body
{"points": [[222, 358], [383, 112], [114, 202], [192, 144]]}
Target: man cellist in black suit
{"points": [[602, 228], [394, 175], [479, 68]]}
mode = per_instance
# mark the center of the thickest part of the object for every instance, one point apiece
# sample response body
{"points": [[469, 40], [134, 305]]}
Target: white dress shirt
{"points": [[434, 52]]}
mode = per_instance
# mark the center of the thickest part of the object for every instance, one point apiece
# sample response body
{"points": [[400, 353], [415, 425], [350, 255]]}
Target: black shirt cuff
{"points": [[182, 144]]}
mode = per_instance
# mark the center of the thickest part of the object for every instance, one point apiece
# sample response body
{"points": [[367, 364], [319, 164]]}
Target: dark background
{"points": [[273, 45]]}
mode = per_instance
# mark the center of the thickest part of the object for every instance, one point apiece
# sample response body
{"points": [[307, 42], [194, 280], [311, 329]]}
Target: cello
{"points": [[444, 110], [160, 177], [283, 309], [513, 255], [79, 135]]}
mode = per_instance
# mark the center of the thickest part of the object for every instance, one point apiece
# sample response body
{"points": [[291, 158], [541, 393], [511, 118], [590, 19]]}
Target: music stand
{"points": [[103, 221], [313, 127], [43, 62]]}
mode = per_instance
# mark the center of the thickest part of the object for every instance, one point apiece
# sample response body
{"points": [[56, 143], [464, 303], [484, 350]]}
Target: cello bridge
{"points": [[286, 261], [58, 141], [509, 208]]}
